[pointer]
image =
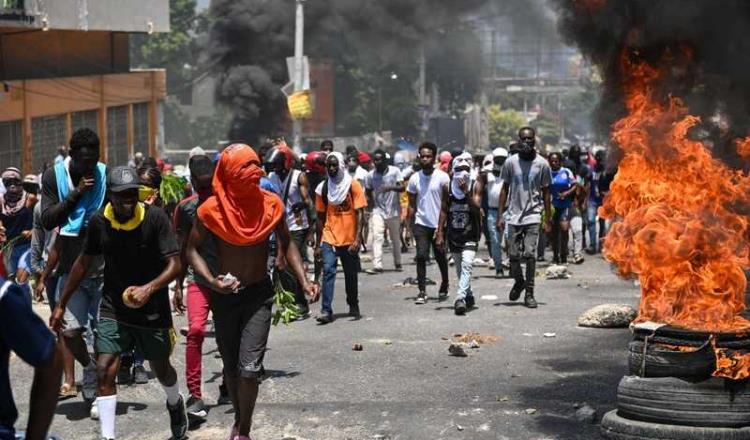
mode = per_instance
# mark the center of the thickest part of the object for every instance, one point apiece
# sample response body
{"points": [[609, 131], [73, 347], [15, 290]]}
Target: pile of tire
{"points": [[670, 394]]}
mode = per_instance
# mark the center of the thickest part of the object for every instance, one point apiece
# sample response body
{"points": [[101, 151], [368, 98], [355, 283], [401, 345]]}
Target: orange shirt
{"points": [[341, 220]]}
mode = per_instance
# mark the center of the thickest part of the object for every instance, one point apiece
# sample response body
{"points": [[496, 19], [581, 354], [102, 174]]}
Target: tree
{"points": [[504, 125]]}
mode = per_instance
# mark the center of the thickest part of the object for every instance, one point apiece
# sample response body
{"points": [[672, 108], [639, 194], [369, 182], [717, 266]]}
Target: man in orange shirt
{"points": [[340, 202]]}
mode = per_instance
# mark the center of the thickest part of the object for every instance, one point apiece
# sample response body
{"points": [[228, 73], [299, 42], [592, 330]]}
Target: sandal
{"points": [[67, 392]]}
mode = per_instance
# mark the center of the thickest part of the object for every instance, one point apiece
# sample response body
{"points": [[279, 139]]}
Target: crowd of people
{"points": [[104, 247]]}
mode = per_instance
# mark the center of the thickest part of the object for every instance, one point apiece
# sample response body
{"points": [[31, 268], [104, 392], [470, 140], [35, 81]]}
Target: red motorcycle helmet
{"points": [[315, 162]]}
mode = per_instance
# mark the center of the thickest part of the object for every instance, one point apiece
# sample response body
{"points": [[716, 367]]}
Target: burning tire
{"points": [[659, 361], [615, 427], [714, 403]]}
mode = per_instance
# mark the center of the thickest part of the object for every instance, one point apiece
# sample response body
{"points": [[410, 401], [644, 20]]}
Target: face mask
{"points": [[145, 193], [13, 196], [527, 151]]}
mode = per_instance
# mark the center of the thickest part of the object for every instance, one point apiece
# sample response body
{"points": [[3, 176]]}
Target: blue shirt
{"points": [[562, 180], [24, 333]]}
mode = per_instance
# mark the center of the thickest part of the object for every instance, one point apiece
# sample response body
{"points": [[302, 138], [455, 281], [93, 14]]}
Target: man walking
{"points": [[461, 226], [295, 195], [492, 187], [425, 200], [527, 178], [198, 289], [384, 185], [340, 203], [72, 191], [141, 257], [228, 247]]}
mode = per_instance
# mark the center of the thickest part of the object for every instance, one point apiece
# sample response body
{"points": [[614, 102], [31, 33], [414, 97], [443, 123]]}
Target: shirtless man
{"points": [[230, 236]]}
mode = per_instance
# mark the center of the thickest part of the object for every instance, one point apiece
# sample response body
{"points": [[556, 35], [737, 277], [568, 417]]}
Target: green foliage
{"points": [[286, 305], [547, 128], [172, 188], [504, 125]]}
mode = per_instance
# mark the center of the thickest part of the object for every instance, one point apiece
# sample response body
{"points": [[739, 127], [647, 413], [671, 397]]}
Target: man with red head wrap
{"points": [[229, 248]]}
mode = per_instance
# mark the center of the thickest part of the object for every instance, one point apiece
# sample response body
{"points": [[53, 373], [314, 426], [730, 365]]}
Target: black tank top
{"points": [[464, 226]]}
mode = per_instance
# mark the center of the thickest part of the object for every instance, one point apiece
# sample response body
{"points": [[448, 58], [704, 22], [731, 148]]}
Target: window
{"points": [[11, 143], [117, 136], [140, 128], [47, 135], [88, 119]]}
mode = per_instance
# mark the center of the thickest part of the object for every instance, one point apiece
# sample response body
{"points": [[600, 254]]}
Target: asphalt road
{"points": [[403, 384]]}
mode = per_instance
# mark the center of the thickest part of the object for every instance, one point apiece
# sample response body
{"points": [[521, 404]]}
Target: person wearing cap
{"points": [[141, 257], [493, 186], [460, 226]]}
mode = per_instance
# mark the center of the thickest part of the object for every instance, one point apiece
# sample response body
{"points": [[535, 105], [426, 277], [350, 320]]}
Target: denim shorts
{"points": [[83, 305]]}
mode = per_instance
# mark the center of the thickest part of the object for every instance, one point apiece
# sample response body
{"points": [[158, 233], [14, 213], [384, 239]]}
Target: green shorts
{"points": [[154, 344]]}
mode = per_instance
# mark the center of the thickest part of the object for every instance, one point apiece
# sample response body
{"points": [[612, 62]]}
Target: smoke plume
{"points": [[250, 40], [715, 85]]}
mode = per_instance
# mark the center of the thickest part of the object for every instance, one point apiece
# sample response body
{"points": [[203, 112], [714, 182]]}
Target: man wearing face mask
{"points": [[384, 185], [492, 187], [295, 195], [72, 191], [527, 178], [340, 203], [18, 219], [461, 227], [141, 258], [231, 237]]}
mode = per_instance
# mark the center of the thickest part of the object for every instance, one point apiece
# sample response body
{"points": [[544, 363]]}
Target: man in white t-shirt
{"points": [[384, 185], [493, 185], [425, 201]]}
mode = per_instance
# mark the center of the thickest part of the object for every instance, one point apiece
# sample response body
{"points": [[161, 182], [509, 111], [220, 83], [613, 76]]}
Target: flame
{"points": [[675, 207]]}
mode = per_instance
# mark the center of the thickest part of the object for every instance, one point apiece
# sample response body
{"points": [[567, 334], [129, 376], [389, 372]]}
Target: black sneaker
{"points": [[515, 292], [324, 318], [529, 301], [123, 375], [399, 268], [470, 302], [443, 292], [459, 307], [178, 419], [500, 273], [140, 376], [224, 398], [421, 298], [196, 409], [354, 312]]}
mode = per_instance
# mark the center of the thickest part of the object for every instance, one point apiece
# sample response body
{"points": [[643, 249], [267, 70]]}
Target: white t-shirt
{"points": [[359, 174], [494, 186], [385, 203], [429, 190]]}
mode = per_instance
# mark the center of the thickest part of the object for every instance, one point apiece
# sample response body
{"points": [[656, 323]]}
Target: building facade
{"points": [[64, 65]]}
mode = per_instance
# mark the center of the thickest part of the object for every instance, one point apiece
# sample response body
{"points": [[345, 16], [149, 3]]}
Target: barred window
{"points": [[47, 135], [11, 144], [87, 119], [140, 128], [117, 136]]}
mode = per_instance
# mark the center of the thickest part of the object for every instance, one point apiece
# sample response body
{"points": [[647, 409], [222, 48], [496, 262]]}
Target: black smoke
{"points": [[250, 40], [715, 85]]}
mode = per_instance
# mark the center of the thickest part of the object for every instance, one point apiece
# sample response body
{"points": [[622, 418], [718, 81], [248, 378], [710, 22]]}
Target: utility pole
{"points": [[422, 94], [299, 74]]}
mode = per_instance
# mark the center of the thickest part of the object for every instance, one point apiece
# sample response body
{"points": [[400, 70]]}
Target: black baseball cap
{"points": [[122, 178]]}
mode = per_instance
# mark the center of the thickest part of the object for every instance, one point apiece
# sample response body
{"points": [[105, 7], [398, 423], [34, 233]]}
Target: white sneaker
{"points": [[89, 383], [94, 411]]}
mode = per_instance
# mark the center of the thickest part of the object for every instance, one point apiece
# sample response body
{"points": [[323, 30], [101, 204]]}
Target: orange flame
{"points": [[675, 210]]}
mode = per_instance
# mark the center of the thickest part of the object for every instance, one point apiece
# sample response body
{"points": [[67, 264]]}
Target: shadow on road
{"points": [[79, 410], [587, 373]]}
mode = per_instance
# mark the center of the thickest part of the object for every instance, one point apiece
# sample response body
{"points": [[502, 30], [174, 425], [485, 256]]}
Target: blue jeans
{"points": [[591, 217], [495, 239], [464, 265], [331, 255]]}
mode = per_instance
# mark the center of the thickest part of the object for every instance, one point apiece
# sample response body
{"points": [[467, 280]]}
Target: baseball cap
{"points": [[122, 178]]}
